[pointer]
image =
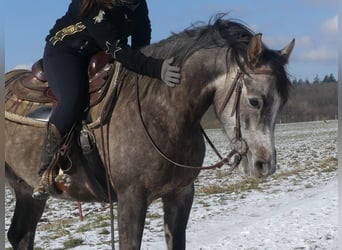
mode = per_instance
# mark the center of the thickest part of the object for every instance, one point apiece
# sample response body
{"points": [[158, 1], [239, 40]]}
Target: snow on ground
{"points": [[294, 209]]}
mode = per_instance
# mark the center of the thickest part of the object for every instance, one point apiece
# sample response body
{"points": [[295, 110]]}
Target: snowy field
{"points": [[296, 208]]}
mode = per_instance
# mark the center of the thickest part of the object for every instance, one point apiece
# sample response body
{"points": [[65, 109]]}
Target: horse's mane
{"points": [[219, 33]]}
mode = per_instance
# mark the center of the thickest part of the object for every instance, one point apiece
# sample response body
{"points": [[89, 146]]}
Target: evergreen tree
{"points": [[331, 78], [316, 80], [326, 79]]}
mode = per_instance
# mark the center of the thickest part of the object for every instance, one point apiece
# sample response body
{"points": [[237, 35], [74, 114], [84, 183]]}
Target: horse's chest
{"points": [[173, 181]]}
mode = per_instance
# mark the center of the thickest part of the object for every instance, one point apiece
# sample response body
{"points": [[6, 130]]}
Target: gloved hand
{"points": [[170, 74]]}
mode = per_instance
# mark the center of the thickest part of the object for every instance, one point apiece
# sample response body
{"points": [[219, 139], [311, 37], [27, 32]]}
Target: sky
{"points": [[313, 23]]}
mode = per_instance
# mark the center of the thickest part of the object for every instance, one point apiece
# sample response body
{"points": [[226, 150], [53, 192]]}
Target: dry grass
{"points": [[297, 173], [242, 186], [71, 243]]}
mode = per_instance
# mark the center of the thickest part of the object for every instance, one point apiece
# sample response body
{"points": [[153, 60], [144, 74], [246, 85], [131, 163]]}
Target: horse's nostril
{"points": [[259, 165], [262, 168]]}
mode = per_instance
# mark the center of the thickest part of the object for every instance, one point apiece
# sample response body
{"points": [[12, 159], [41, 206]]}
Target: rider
{"points": [[88, 27]]}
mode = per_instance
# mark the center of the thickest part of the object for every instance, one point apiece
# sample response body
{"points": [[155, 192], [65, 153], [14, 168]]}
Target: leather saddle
{"points": [[33, 87]]}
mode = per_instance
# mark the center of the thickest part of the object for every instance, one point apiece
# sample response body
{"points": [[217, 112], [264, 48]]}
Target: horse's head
{"points": [[217, 61], [258, 88]]}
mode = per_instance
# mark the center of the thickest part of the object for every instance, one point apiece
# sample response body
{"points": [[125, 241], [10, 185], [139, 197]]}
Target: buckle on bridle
{"points": [[240, 146]]}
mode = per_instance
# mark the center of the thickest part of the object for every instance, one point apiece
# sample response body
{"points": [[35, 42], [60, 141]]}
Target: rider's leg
{"points": [[67, 74], [51, 145]]}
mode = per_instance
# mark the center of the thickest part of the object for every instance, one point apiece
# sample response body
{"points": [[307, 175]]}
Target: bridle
{"points": [[240, 146], [237, 86]]}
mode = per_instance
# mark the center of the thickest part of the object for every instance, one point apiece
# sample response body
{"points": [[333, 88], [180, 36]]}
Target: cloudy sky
{"points": [[313, 23]]}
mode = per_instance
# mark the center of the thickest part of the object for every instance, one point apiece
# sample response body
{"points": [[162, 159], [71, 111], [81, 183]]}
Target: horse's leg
{"points": [[26, 214], [132, 207], [177, 208]]}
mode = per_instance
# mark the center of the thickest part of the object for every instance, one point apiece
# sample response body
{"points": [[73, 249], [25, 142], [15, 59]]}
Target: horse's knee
{"points": [[132, 208], [177, 208]]}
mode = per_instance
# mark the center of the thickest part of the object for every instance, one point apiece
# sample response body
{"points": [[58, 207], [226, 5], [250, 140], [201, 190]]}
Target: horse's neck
{"points": [[184, 104], [199, 80]]}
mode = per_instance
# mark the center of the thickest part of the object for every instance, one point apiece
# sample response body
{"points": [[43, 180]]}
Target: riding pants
{"points": [[67, 75]]}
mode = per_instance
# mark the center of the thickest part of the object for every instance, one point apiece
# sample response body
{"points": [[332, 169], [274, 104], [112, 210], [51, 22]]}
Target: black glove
{"points": [[170, 74]]}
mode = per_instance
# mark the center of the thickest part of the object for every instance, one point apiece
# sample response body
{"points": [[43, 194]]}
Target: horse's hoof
{"points": [[40, 195]]}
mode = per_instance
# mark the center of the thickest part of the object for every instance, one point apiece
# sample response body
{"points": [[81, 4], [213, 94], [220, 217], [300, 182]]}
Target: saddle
{"points": [[28, 93], [37, 83]]}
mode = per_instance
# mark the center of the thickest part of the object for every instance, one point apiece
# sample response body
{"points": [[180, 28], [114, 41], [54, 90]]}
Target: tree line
{"points": [[317, 80], [311, 102]]}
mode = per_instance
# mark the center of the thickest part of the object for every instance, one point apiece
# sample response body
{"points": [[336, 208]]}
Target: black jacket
{"points": [[108, 30]]}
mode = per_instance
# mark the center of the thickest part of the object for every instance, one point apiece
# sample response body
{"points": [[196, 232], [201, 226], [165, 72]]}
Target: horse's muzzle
{"points": [[263, 169], [258, 168]]}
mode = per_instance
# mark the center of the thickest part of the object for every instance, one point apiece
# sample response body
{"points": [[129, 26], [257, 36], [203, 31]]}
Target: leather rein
{"points": [[240, 147]]}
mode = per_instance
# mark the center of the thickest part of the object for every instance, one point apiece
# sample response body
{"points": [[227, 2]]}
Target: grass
{"points": [[85, 228], [247, 184], [327, 165], [100, 222], [153, 215], [104, 231], [72, 242], [60, 228]]}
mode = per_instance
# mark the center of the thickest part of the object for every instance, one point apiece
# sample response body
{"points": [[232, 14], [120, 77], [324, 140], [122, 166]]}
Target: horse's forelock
{"points": [[275, 61]]}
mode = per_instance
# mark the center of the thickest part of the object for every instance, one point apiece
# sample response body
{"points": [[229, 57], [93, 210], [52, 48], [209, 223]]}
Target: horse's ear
{"points": [[254, 49], [286, 52]]}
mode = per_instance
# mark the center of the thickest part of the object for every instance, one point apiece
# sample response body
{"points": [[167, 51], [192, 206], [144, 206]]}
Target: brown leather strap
{"points": [[230, 92]]}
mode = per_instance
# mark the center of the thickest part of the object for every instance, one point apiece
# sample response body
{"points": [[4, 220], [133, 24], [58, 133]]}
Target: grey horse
{"points": [[218, 59]]}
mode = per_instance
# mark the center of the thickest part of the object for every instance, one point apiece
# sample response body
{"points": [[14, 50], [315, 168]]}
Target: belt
{"points": [[67, 31]]}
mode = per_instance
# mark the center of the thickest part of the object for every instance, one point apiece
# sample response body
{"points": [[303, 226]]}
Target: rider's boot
{"points": [[52, 143]]}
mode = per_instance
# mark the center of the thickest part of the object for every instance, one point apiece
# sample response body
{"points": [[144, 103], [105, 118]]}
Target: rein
{"points": [[237, 152]]}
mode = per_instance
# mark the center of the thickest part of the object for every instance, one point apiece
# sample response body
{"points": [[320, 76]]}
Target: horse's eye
{"points": [[254, 102]]}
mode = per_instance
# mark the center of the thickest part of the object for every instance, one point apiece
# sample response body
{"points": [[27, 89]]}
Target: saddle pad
{"points": [[29, 101]]}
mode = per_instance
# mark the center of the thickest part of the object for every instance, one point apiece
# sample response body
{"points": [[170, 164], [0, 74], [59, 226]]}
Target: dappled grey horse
{"points": [[223, 64]]}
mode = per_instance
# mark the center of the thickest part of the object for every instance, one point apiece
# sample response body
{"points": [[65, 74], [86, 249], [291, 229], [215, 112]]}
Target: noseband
{"points": [[240, 146]]}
